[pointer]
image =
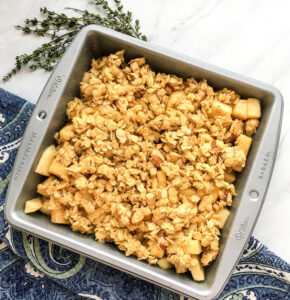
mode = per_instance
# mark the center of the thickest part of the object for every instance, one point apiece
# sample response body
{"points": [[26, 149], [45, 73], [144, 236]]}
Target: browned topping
{"points": [[147, 162]]}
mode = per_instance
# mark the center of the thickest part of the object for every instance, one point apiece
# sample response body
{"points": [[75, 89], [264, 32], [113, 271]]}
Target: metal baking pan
{"points": [[49, 116]]}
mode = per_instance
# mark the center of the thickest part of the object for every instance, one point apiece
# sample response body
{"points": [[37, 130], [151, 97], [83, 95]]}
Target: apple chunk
{"points": [[45, 207], [58, 216], [221, 109], [197, 270], [240, 110], [32, 205], [164, 263], [254, 108], [222, 217], [192, 247], [45, 161], [244, 143], [58, 169]]}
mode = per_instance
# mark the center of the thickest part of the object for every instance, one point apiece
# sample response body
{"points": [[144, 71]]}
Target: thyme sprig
{"points": [[61, 30]]}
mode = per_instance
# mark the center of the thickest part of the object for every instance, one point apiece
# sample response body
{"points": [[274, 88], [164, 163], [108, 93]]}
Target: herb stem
{"points": [[61, 30]]}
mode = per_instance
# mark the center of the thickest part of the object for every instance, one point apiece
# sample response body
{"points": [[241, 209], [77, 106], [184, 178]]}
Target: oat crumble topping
{"points": [[147, 161]]}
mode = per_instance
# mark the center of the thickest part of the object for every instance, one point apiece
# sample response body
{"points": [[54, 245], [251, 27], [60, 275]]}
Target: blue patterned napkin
{"points": [[31, 268]]}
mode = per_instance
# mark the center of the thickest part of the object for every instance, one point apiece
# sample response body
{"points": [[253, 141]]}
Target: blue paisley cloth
{"points": [[31, 268]]}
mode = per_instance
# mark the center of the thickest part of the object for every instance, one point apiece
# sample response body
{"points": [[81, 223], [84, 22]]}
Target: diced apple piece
{"points": [[58, 216], [45, 207], [58, 169], [254, 108], [221, 109], [240, 110], [222, 217], [230, 177], [67, 132], [192, 247], [42, 187], [164, 263], [32, 205], [46, 160], [156, 251], [180, 268], [244, 143], [197, 270]]}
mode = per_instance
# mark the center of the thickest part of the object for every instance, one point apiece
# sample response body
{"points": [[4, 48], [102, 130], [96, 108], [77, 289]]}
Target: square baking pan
{"points": [[49, 116]]}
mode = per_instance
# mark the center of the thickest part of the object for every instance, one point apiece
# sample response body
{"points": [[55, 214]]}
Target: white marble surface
{"points": [[249, 37]]}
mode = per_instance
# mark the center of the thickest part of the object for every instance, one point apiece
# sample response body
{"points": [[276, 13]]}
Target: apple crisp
{"points": [[148, 161]]}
